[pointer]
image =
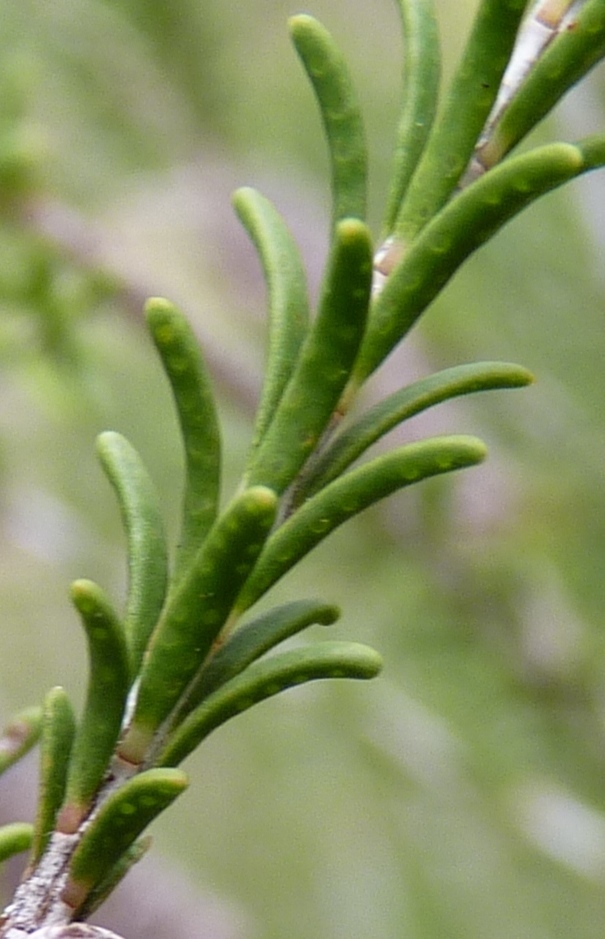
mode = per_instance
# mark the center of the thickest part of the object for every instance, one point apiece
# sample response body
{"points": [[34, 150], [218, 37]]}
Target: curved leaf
{"points": [[461, 118], [58, 730], [354, 440], [253, 639], [183, 363], [108, 683], [420, 87], [266, 678], [117, 824], [19, 736], [110, 881], [15, 838], [545, 19], [288, 301], [196, 613], [341, 115], [324, 364], [571, 55], [349, 495], [147, 551], [593, 151], [466, 223]]}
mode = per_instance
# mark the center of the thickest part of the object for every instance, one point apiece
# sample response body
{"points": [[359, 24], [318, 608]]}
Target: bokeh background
{"points": [[462, 794]]}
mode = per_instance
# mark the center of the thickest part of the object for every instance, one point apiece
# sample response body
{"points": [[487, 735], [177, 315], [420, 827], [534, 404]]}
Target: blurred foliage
{"points": [[463, 794]]}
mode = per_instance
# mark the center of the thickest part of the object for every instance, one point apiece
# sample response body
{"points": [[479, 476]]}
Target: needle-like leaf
{"points": [[15, 838], [397, 407], [124, 814], [108, 683], [420, 88], [288, 300], [266, 678], [19, 736], [571, 55], [341, 115], [347, 496], [196, 613], [461, 118], [251, 640], [324, 364], [466, 223], [147, 551], [182, 360], [58, 730], [110, 881]]}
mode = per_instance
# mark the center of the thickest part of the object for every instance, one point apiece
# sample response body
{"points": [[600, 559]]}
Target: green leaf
{"points": [[108, 683], [182, 360], [15, 838], [324, 364], [58, 730], [266, 678], [19, 736], [421, 72], [117, 824], [349, 495], [253, 639], [466, 223], [593, 151], [461, 118], [147, 551], [355, 439], [114, 877], [288, 300], [571, 55], [196, 613], [341, 115]]}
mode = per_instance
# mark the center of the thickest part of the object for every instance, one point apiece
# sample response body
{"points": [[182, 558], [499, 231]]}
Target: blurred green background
{"points": [[462, 794]]}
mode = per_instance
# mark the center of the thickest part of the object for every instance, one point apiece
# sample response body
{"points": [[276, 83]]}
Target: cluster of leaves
{"points": [[185, 656]]}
